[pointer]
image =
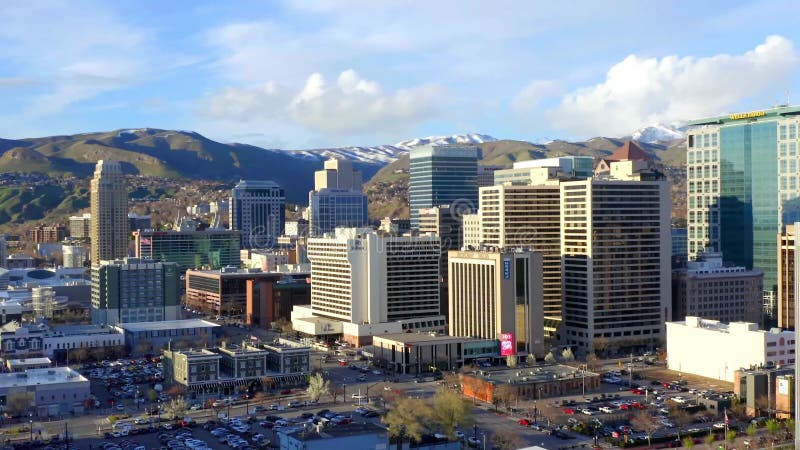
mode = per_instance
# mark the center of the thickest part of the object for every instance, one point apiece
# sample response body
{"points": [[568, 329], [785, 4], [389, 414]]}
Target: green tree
{"points": [[710, 439], [152, 395], [409, 414], [773, 426], [751, 430], [450, 410], [317, 387], [731, 436], [506, 440], [688, 442], [531, 359]]}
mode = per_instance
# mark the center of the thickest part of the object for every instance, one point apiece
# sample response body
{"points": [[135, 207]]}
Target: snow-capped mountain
{"points": [[385, 154], [657, 134], [444, 140]]}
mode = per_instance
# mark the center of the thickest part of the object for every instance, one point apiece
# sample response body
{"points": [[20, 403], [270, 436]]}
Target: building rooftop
{"points": [[34, 377], [532, 374], [23, 361], [167, 325], [198, 353], [770, 113], [226, 272], [351, 429], [283, 344], [245, 349], [409, 338]]}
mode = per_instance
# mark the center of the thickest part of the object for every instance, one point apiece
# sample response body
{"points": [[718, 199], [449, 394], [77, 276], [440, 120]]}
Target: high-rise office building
{"points": [[109, 209], [139, 222], [615, 246], [337, 199], [80, 226], [443, 222], [134, 290], [497, 292], [207, 249], [258, 210], [744, 185], [709, 289], [786, 276], [529, 216], [3, 250], [73, 255], [443, 175]]}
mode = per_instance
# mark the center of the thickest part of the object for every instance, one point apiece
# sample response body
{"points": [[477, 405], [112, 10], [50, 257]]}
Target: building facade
{"points": [[709, 289], [445, 223], [139, 222], [80, 226], [49, 392], [493, 293], [471, 230], [222, 292], [73, 256], [191, 367], [742, 167], [616, 249], [47, 233], [272, 300], [517, 216], [725, 348], [337, 199], [208, 249], [109, 212], [443, 175], [149, 338], [258, 210], [419, 353], [360, 277], [786, 277], [134, 290]]}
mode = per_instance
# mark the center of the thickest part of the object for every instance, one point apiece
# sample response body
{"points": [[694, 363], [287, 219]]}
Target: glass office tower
{"points": [[445, 175], [743, 186]]}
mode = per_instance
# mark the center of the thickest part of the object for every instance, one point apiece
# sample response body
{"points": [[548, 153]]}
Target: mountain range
{"points": [[189, 155]]}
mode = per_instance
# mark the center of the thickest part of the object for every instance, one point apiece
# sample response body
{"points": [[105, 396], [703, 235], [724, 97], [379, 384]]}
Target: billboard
{"points": [[507, 344], [783, 386], [506, 268]]}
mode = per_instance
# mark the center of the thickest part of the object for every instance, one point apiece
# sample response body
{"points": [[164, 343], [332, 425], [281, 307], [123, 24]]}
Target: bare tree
{"points": [[592, 363], [317, 386], [549, 358], [506, 440], [503, 394], [645, 422], [18, 403]]}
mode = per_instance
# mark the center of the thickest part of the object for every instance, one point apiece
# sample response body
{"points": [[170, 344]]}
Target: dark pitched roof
{"points": [[629, 151]]}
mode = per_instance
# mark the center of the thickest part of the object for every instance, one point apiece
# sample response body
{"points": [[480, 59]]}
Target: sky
{"points": [[301, 74]]}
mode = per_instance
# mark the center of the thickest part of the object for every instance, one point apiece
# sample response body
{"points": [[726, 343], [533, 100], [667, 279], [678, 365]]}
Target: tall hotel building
{"points": [[443, 175], [337, 199], [359, 278], [109, 212], [258, 210], [524, 211], [616, 248], [497, 292], [743, 186]]}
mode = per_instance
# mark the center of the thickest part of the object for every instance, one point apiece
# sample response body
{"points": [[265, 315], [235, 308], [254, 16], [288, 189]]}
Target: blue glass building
{"points": [[743, 186], [443, 175]]}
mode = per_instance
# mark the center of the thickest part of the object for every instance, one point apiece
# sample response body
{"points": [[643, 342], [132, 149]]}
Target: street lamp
{"points": [[344, 393], [136, 398], [30, 425]]}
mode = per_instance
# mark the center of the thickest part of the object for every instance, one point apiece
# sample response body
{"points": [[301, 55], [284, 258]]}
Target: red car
{"points": [[568, 411], [525, 422], [637, 391]]}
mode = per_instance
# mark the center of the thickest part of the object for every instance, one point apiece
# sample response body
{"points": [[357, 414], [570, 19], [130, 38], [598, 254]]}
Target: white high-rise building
{"points": [[109, 212], [258, 210], [362, 278], [74, 255], [616, 247]]}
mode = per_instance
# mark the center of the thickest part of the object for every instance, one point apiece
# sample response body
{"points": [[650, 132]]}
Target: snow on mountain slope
{"points": [[657, 134], [385, 154]]}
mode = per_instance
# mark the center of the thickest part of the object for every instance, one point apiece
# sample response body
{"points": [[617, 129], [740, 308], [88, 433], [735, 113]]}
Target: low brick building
{"points": [[529, 383]]}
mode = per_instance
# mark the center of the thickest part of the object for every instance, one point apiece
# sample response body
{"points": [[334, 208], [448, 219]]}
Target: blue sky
{"points": [[301, 74]]}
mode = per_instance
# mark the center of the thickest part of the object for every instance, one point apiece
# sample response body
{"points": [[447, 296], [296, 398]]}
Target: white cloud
{"points": [[532, 95], [351, 104], [648, 90]]}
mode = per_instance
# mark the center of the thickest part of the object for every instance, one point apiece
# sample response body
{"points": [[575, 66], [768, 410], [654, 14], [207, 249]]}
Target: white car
{"points": [[359, 396], [606, 409], [196, 407], [459, 434]]}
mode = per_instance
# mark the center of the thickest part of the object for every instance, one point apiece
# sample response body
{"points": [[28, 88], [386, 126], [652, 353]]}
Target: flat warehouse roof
{"points": [[168, 325]]}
